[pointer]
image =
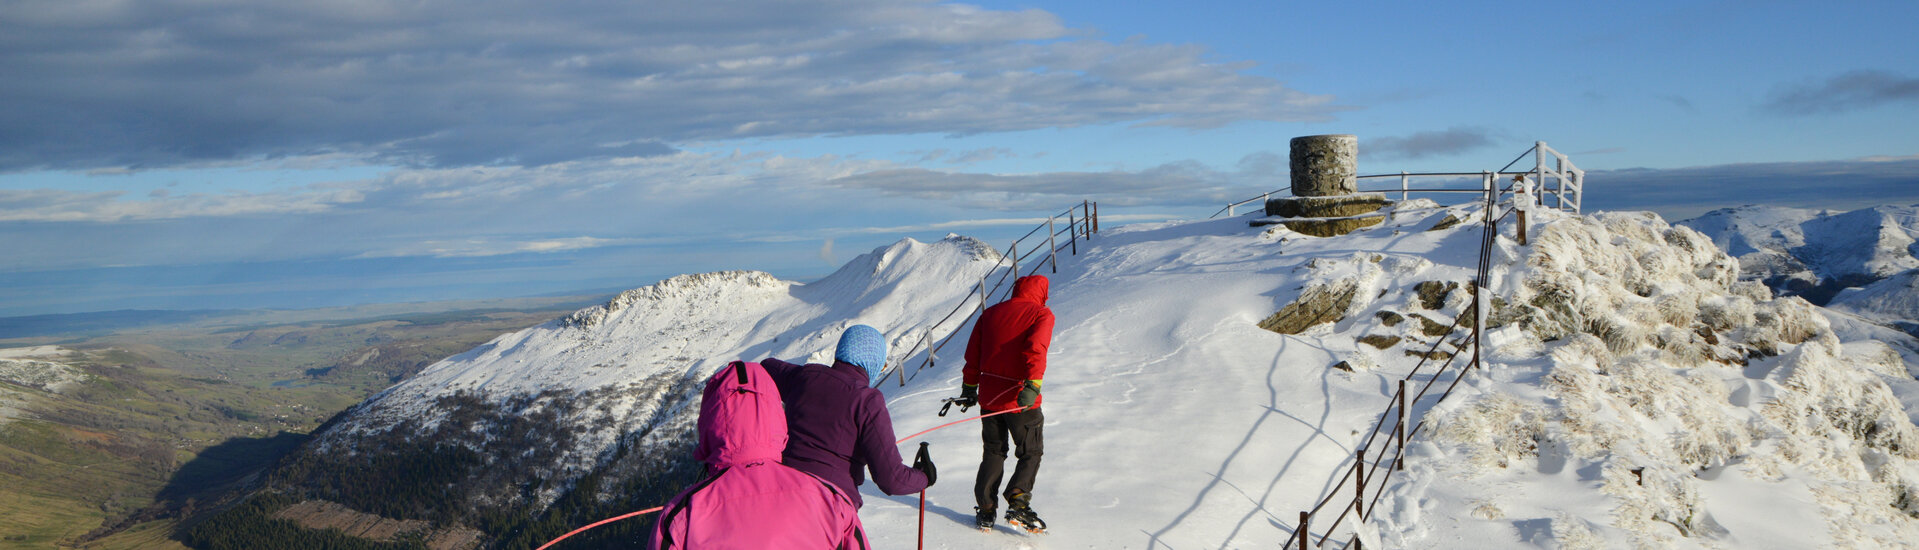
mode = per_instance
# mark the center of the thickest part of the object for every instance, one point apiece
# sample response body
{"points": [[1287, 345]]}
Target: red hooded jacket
{"points": [[1008, 346]]}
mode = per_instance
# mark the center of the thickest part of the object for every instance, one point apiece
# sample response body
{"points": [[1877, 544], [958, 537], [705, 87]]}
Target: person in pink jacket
{"points": [[748, 499]]}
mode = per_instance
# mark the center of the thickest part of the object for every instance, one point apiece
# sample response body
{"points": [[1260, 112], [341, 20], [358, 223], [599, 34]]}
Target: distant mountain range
{"points": [[1864, 262]]}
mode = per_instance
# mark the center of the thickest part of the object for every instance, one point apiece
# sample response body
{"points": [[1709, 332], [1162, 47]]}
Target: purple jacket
{"points": [[749, 499], [840, 428]]}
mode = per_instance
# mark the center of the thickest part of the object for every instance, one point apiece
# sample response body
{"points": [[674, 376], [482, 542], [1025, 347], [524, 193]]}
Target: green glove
{"points": [[1029, 393]]}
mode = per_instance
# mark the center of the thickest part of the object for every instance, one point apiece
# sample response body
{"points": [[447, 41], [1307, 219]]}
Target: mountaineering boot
{"points": [[983, 519], [1019, 512]]}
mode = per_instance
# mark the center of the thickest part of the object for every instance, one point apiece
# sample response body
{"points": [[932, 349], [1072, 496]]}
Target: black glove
{"points": [[924, 463], [1029, 393], [969, 396]]}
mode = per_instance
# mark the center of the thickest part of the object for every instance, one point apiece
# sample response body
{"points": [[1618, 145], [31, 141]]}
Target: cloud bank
{"points": [[1451, 141], [442, 83], [1846, 92]]}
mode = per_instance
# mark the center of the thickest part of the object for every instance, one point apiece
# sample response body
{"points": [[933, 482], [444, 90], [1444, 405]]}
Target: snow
{"points": [[31, 368], [1811, 246], [1173, 422], [1637, 392]]}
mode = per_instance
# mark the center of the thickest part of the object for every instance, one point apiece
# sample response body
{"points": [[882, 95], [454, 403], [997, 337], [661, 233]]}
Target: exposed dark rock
{"points": [[1379, 341], [1430, 327], [1318, 304], [1432, 294], [1389, 318]]}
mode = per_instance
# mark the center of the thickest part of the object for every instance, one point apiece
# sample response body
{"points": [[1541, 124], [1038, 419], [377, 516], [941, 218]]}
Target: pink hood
{"points": [[741, 419]]}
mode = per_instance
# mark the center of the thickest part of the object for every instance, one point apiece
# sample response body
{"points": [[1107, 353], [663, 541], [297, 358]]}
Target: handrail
{"points": [[1082, 224], [1366, 468], [1568, 181]]}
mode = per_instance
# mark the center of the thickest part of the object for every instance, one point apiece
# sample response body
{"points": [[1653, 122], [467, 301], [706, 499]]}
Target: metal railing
{"points": [[1399, 409], [1562, 180], [1082, 222]]}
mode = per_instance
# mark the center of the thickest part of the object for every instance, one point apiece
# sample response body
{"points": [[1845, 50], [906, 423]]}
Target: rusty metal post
{"points": [[1399, 463], [1052, 250], [1073, 226], [1305, 518], [1359, 485]]}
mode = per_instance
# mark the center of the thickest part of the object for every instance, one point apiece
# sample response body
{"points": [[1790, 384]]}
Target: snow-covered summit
{"points": [[1637, 394], [620, 373]]}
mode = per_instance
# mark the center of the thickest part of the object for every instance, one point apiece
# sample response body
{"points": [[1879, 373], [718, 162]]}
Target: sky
{"points": [[174, 154]]}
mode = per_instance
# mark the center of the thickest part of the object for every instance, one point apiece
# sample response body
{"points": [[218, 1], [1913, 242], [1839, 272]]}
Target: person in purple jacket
{"points": [[838, 424]]}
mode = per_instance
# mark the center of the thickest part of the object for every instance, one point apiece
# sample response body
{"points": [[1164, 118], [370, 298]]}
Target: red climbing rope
{"points": [[657, 508], [970, 418], [599, 523]]}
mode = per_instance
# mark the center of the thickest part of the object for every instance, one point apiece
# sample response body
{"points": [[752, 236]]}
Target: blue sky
{"points": [[182, 155]]}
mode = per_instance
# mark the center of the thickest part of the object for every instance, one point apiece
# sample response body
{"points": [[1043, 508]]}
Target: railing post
{"points": [[1095, 216], [1229, 210], [1086, 217], [1479, 318], [1402, 186], [1052, 250], [1072, 239], [1399, 463], [1539, 161], [1305, 518], [1014, 248], [1359, 487], [982, 290]]}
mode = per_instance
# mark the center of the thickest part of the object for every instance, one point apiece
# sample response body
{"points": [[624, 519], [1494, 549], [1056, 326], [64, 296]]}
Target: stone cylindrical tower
{"points": [[1325, 166]]}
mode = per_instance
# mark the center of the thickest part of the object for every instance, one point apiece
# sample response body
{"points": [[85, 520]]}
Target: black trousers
{"points": [[1024, 429]]}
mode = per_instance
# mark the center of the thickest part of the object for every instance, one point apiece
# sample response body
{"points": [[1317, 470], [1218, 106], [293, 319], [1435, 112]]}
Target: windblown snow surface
{"points": [[1622, 345]]}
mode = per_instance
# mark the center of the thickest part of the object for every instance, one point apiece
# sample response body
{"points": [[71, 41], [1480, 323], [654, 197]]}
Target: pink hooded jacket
{"points": [[749, 499]]}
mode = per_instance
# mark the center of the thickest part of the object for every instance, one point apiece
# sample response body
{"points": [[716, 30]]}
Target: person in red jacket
{"points": [[1005, 365]]}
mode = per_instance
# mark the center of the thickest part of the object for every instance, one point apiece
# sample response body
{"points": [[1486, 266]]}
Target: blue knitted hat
{"points": [[864, 346]]}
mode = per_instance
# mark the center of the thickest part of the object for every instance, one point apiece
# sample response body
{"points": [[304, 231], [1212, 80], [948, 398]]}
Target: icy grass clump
{"points": [[1649, 345], [1496, 431]]}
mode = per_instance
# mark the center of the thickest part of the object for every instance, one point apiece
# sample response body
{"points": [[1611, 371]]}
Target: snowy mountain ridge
{"points": [[1637, 394], [619, 375], [1815, 252]]}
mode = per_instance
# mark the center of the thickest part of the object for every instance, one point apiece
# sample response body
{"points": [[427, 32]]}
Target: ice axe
{"points": [[948, 404]]}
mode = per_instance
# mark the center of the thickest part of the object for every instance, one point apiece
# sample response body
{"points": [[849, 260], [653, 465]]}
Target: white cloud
{"points": [[482, 247], [444, 83]]}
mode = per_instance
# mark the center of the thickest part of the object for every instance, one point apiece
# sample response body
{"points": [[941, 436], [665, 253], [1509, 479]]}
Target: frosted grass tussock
{"points": [[1496, 431], [1661, 372]]}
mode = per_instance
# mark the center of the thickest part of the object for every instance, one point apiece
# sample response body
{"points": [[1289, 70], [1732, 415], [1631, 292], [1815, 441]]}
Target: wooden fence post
{"points": [[1096, 217]]}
